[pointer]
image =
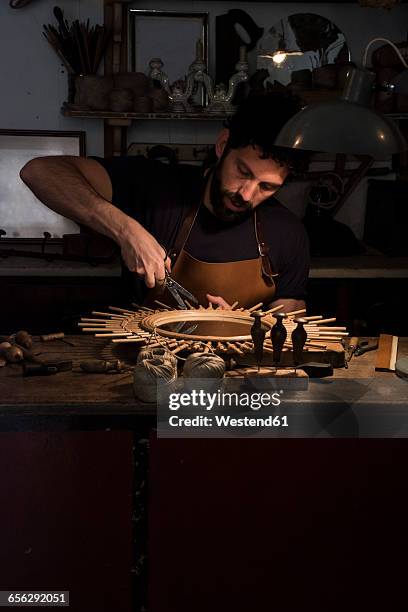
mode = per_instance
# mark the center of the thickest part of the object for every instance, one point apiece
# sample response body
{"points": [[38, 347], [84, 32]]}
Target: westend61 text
{"points": [[228, 421], [207, 401]]}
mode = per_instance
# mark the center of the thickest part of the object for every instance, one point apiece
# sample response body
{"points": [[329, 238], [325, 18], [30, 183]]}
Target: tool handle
{"points": [[48, 337], [39, 369], [100, 366]]}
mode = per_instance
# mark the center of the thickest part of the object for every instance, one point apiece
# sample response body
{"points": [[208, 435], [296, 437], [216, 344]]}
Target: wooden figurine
{"points": [[258, 333], [278, 337], [299, 337]]}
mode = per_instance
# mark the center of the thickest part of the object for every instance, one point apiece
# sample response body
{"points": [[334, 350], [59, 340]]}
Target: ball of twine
{"points": [[204, 365], [150, 373], [159, 352]]}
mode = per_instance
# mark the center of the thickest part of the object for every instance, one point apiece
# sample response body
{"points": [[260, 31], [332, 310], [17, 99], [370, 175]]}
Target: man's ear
{"points": [[221, 142]]}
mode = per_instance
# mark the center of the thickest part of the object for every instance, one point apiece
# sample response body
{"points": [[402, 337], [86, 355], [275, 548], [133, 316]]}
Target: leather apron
{"points": [[248, 281]]}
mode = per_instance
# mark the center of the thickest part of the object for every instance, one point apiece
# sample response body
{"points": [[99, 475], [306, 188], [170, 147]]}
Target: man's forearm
{"points": [[288, 305], [61, 186]]}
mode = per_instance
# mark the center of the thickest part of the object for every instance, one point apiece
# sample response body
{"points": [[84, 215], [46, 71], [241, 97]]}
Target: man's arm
{"points": [[81, 189], [288, 304]]}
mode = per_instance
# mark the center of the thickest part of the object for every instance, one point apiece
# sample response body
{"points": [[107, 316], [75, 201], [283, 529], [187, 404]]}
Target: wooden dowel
{"points": [[256, 307], [327, 328], [126, 340], [330, 320], [234, 305], [274, 309], [180, 347], [116, 335], [329, 333], [122, 310], [89, 320], [235, 348], [313, 318], [101, 325], [295, 312], [109, 314], [164, 305]]}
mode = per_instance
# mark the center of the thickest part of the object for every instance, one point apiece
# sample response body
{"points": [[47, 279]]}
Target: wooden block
{"points": [[283, 379], [387, 353]]}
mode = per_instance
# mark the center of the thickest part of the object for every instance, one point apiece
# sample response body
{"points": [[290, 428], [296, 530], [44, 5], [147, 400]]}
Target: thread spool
{"points": [[204, 365], [151, 373], [157, 352]]}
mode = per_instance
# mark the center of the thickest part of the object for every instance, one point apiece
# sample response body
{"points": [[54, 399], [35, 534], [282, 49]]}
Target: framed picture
{"points": [[22, 215], [170, 35]]}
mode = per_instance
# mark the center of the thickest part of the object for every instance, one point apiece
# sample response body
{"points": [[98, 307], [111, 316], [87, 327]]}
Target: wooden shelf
{"points": [[111, 115]]}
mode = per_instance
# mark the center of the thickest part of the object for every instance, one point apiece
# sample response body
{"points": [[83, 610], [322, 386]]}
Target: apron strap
{"points": [[184, 232], [263, 250]]}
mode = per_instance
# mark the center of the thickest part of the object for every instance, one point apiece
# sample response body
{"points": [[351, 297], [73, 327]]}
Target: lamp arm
{"points": [[397, 51]]}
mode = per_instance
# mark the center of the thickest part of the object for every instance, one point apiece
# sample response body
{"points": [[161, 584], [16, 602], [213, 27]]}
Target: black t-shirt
{"points": [[159, 195]]}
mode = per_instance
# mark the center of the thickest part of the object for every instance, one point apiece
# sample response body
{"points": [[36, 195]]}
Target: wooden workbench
{"points": [[233, 524], [75, 394]]}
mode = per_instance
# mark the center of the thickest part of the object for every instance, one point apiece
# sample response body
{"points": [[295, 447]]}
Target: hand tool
{"points": [[101, 366], [299, 337], [258, 333], [351, 348], [364, 346], [175, 288], [278, 337], [45, 369], [56, 336]]}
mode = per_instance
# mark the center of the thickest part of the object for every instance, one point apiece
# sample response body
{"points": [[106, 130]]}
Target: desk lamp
{"points": [[348, 125]]}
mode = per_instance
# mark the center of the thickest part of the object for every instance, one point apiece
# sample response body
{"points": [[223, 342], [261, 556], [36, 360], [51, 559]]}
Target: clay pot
{"points": [[92, 91], [121, 100], [300, 80], [385, 56], [160, 99], [325, 77], [137, 82], [143, 104]]}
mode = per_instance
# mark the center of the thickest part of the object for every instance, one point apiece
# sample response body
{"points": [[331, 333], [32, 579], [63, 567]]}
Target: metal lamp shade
{"points": [[340, 126]]}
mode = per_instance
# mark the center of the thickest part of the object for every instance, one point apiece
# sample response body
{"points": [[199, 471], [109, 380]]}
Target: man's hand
{"points": [[218, 301], [142, 254]]}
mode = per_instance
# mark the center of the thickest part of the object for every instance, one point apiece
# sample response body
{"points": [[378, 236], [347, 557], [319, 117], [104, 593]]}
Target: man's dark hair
{"points": [[258, 121]]}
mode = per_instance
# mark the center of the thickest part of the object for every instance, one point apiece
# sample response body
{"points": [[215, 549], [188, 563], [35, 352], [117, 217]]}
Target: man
{"points": [[222, 236]]}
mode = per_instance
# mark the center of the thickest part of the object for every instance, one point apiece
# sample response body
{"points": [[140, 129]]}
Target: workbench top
{"points": [[79, 394]]}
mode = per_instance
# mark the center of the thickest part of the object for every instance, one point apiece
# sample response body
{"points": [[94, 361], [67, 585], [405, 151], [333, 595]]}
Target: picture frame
{"points": [[22, 216], [170, 35]]}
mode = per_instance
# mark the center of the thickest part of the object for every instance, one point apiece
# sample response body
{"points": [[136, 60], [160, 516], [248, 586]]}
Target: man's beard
{"points": [[217, 196]]}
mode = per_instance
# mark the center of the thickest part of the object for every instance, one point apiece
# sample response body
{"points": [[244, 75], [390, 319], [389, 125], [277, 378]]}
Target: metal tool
{"points": [[176, 289], [103, 366], [364, 346], [45, 369]]}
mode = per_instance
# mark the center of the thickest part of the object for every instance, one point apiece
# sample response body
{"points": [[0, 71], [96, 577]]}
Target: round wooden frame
{"points": [[153, 322], [141, 327]]}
